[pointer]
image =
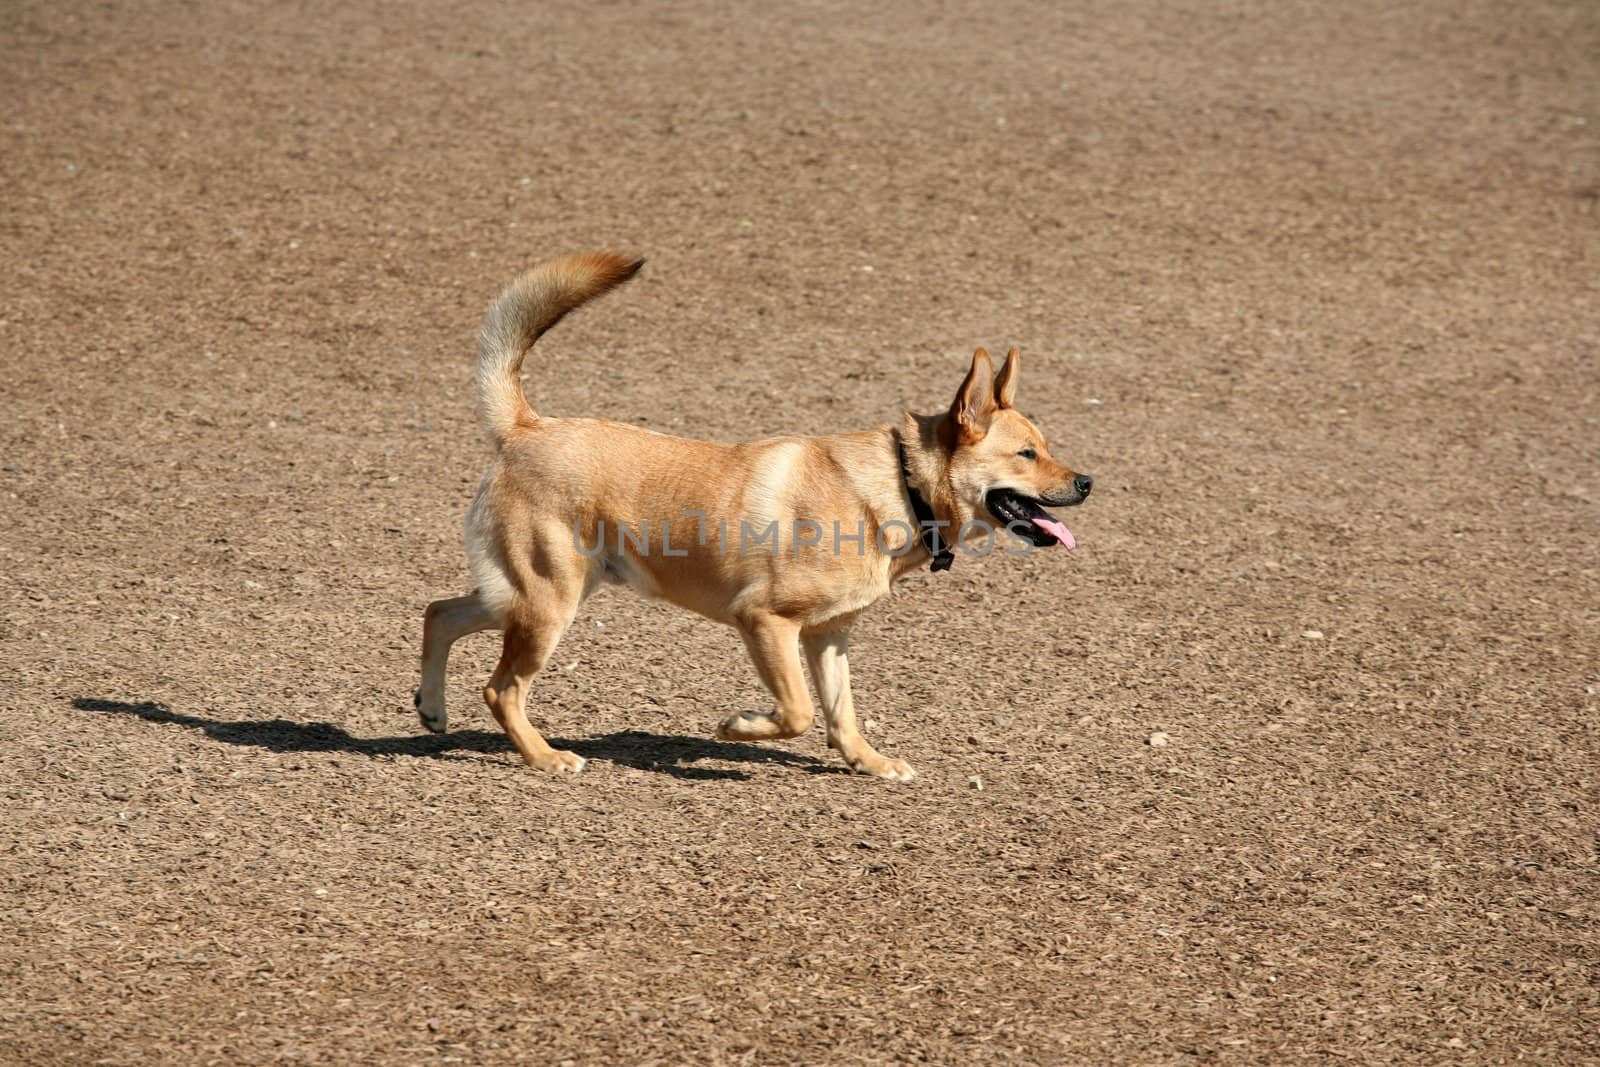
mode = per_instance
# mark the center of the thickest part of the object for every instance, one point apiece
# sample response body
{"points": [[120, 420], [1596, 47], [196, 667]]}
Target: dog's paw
{"points": [[761, 726], [895, 770], [557, 761], [747, 726], [431, 713]]}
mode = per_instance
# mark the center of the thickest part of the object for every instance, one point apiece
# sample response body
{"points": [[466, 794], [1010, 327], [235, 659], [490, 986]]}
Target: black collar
{"points": [[937, 547]]}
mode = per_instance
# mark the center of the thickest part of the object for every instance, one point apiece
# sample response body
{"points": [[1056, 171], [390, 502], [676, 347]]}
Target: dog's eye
{"points": [[1028, 453]]}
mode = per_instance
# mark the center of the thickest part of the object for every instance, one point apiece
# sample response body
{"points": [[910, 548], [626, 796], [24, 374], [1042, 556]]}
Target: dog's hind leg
{"points": [[532, 632], [830, 670], [773, 644], [443, 624]]}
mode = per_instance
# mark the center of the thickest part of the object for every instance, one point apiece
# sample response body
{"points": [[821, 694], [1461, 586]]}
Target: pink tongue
{"points": [[1058, 530]]}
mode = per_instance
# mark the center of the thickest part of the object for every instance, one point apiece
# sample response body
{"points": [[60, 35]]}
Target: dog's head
{"points": [[999, 468]]}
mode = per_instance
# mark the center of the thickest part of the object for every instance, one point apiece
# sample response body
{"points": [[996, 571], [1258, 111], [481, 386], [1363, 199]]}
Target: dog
{"points": [[787, 539]]}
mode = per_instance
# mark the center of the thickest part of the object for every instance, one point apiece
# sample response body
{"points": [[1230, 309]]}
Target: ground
{"points": [[1313, 291]]}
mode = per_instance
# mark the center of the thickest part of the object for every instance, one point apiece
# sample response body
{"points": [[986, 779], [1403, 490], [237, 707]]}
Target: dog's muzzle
{"points": [[1026, 517]]}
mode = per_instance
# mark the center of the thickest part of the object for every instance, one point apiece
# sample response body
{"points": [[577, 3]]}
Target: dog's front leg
{"points": [[773, 644], [830, 669]]}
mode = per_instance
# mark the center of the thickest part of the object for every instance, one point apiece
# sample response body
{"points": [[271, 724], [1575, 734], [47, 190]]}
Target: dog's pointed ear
{"points": [[974, 402], [1005, 383]]}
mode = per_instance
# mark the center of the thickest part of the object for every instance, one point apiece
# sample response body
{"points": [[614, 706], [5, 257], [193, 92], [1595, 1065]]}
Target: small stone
{"points": [[1158, 740], [1311, 635], [868, 725], [976, 783]]}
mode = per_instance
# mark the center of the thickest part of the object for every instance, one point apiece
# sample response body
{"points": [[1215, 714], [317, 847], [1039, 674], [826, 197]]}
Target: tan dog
{"points": [[786, 539]]}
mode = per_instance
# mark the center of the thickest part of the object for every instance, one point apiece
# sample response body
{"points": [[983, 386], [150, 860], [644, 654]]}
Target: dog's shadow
{"points": [[662, 753]]}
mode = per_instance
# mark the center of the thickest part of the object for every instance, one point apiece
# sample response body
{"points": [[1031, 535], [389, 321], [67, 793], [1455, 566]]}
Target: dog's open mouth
{"points": [[1024, 517]]}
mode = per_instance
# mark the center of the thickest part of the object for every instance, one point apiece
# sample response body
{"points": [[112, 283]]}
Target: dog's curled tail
{"points": [[526, 309]]}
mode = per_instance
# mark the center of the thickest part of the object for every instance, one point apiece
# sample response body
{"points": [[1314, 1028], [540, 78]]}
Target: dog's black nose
{"points": [[1083, 483]]}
